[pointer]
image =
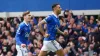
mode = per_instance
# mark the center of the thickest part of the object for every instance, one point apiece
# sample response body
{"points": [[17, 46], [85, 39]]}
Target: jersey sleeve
{"points": [[48, 19], [19, 32]]}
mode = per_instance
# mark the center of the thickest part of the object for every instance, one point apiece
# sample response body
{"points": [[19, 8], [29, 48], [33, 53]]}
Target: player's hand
{"points": [[30, 45], [46, 35], [65, 32], [23, 45]]}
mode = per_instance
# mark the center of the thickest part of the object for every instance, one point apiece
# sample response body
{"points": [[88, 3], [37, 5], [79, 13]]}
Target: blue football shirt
{"points": [[52, 25], [22, 33]]}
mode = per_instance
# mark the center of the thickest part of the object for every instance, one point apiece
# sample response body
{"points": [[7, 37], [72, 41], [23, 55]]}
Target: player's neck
{"points": [[26, 22], [56, 14]]}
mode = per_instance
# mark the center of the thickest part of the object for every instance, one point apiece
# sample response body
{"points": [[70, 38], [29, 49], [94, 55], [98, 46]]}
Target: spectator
{"points": [[62, 42], [35, 20], [13, 50], [8, 26], [39, 19], [91, 23], [12, 30], [9, 53], [5, 47]]}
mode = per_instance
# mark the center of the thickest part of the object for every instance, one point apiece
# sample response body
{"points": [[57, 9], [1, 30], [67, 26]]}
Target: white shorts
{"points": [[21, 51], [51, 46]]}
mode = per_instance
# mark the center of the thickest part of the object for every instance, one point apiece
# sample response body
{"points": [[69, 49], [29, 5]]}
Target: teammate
{"points": [[22, 35], [50, 43]]}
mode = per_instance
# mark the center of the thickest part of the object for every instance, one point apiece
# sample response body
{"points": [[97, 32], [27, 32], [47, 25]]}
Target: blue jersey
{"points": [[52, 25], [22, 33]]}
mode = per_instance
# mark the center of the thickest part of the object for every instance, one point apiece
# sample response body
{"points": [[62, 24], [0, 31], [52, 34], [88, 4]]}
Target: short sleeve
{"points": [[19, 30], [48, 19]]}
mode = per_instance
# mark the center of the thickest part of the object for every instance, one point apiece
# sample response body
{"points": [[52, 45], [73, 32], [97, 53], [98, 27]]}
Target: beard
{"points": [[59, 12]]}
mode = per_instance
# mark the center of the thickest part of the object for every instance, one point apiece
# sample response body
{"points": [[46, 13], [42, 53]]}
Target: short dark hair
{"points": [[54, 5], [25, 13]]}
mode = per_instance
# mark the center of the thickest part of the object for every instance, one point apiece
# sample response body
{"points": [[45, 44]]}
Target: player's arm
{"points": [[63, 33], [19, 32], [40, 25], [59, 31]]}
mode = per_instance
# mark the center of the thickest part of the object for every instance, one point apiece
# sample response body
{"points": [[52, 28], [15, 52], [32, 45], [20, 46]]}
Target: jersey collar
{"points": [[55, 15], [25, 23]]}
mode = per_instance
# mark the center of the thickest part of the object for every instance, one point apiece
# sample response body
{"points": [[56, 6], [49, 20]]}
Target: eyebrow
{"points": [[29, 15]]}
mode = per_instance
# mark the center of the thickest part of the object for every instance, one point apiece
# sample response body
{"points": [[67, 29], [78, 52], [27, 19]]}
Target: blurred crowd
{"points": [[82, 39]]}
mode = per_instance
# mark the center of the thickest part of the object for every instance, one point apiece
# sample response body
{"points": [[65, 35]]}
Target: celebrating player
{"points": [[50, 43]]}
